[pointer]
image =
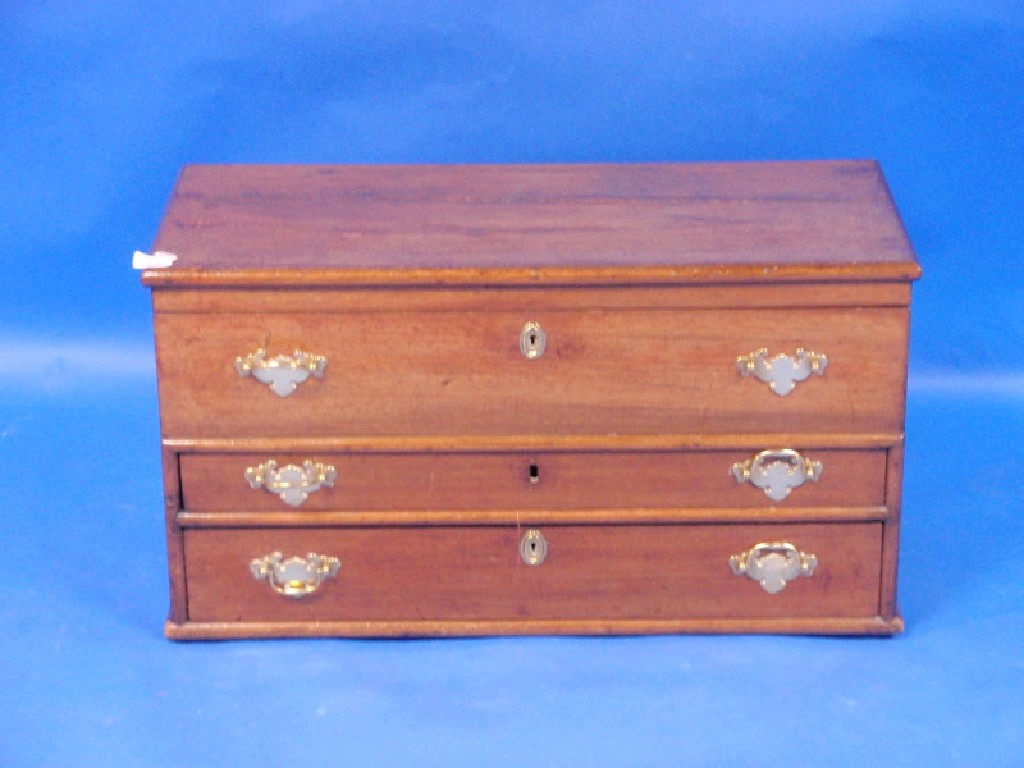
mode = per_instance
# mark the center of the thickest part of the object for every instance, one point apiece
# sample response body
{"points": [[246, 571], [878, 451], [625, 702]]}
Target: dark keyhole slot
{"points": [[533, 339], [534, 473], [533, 546]]}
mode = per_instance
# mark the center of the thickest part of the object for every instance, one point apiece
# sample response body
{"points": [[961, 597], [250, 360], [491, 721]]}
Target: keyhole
{"points": [[532, 340], [534, 474], [533, 548]]}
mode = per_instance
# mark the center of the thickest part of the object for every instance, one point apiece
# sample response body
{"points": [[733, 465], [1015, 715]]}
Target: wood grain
{"points": [[891, 533], [539, 515], [491, 224], [667, 441], [605, 372], [234, 630], [534, 298], [591, 572], [414, 281], [175, 546], [496, 481]]}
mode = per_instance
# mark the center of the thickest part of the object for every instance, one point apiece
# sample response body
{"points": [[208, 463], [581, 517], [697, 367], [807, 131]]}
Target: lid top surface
{"points": [[625, 221]]}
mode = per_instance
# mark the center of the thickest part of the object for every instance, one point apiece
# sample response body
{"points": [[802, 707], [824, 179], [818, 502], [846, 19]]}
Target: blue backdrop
{"points": [[100, 103]]}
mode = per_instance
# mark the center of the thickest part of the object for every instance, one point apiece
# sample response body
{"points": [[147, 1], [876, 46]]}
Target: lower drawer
{"points": [[436, 580]]}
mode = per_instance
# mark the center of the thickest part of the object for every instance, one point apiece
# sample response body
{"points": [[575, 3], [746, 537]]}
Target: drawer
{"points": [[589, 572], [521, 481], [601, 372]]}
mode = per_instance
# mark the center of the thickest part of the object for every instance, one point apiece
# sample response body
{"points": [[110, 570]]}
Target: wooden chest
{"points": [[580, 399]]}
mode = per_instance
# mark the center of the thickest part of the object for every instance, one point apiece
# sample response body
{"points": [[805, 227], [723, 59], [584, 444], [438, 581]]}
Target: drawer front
{"points": [[601, 372], [589, 572], [518, 481]]}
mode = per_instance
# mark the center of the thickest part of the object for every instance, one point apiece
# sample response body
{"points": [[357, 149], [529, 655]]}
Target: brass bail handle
{"points": [[292, 484], [773, 565], [294, 577], [777, 472]]}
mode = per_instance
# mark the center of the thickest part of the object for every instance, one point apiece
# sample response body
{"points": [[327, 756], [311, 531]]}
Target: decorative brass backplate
{"points": [[773, 565], [777, 472], [533, 547], [282, 374], [292, 483], [295, 576], [781, 372]]}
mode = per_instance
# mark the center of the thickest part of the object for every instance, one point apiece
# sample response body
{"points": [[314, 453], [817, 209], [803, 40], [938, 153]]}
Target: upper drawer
{"points": [[620, 371]]}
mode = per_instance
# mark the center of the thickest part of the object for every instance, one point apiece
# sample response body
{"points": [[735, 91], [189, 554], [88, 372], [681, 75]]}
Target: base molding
{"points": [[873, 625]]}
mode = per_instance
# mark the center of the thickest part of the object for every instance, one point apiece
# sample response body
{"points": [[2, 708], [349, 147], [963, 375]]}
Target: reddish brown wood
{"points": [[591, 572], [438, 373], [888, 606], [175, 550], [495, 481], [681, 223], [650, 280], [233, 630], [431, 517], [546, 443], [885, 272], [891, 533], [532, 299]]}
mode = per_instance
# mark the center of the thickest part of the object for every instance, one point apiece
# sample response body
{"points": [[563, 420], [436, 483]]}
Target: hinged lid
{"points": [[532, 224]]}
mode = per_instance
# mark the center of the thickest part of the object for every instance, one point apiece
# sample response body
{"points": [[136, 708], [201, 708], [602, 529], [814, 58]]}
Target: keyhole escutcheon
{"points": [[532, 340], [533, 547]]}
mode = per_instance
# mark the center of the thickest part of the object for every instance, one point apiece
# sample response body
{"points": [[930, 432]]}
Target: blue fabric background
{"points": [[100, 103]]}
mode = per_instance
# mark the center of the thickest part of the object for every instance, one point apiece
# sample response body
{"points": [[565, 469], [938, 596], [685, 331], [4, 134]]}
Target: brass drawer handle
{"points": [[295, 576], [282, 374], [773, 565], [777, 472], [532, 340], [291, 483], [781, 372]]}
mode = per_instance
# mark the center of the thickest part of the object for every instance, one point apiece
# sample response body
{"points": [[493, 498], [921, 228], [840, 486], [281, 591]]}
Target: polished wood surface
{"points": [[667, 441], [236, 630], [675, 222], [591, 572], [175, 547], [891, 532], [443, 373], [415, 281], [494, 481], [248, 518], [408, 298]]}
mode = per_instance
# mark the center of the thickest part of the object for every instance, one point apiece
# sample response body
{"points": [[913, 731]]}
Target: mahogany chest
{"points": [[587, 399]]}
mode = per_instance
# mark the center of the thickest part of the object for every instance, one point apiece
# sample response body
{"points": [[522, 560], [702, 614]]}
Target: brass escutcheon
{"points": [[532, 340], [533, 547]]}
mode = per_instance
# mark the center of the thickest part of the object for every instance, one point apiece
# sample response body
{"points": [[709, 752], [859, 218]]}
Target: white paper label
{"points": [[157, 260]]}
